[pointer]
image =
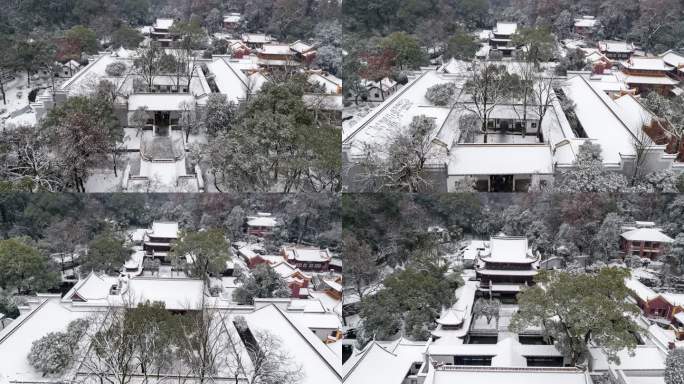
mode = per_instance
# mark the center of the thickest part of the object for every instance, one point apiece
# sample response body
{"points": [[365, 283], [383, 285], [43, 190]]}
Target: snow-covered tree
{"points": [[271, 363], [262, 282], [674, 367], [490, 85], [589, 175], [54, 352], [219, 113], [578, 308], [441, 94], [116, 68], [51, 354], [606, 239], [489, 309]]}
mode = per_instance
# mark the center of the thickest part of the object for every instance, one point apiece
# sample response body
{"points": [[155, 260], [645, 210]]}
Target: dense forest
{"points": [[654, 24], [395, 226], [313, 216], [385, 38], [288, 18], [399, 249]]}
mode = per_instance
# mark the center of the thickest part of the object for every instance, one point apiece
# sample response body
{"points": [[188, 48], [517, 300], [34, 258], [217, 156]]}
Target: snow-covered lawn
{"points": [[17, 111], [104, 181]]}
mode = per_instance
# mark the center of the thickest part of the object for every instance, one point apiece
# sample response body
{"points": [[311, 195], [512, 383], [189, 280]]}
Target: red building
{"points": [[307, 258], [255, 254], [666, 306], [646, 74], [296, 279], [232, 21], [643, 240], [586, 26], [506, 265], [160, 239], [263, 224]]}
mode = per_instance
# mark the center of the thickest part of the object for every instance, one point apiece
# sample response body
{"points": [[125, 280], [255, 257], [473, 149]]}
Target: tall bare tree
{"points": [[489, 86]]}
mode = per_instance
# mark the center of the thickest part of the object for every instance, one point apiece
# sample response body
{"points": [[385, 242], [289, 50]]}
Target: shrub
{"points": [[440, 94], [51, 354], [115, 69]]}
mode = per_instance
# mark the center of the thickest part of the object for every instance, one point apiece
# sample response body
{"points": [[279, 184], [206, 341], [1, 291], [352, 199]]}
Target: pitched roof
{"points": [[647, 234], [508, 249], [319, 363], [165, 229], [647, 64], [505, 28]]}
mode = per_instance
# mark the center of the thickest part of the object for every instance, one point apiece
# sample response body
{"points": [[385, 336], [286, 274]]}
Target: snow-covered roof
{"points": [[257, 38], [679, 316], [600, 118], [500, 159], [160, 101], [380, 364], [262, 221], [276, 49], [505, 249], [331, 83], [232, 18], [650, 80], [163, 23], [647, 234], [673, 58], [175, 293], [640, 290], [229, 79], [17, 338], [165, 229], [505, 28], [94, 287], [286, 270], [634, 114], [315, 320], [319, 363], [301, 47], [647, 64], [616, 46], [586, 22], [303, 254], [675, 299]]}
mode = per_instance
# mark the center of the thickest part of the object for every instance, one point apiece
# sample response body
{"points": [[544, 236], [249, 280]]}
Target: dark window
{"points": [[482, 339], [473, 360], [544, 361], [533, 340]]}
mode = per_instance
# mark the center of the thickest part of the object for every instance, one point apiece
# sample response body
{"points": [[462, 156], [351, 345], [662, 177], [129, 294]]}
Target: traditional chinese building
{"points": [[506, 265], [643, 239], [646, 74], [307, 258]]}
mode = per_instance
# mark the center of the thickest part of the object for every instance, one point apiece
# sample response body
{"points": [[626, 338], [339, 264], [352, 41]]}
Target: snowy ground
{"points": [[102, 180], [17, 110], [353, 113]]}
